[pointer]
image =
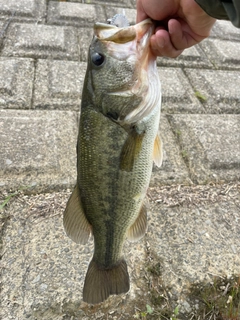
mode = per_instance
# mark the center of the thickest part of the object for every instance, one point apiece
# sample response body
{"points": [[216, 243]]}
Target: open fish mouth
{"points": [[126, 41]]}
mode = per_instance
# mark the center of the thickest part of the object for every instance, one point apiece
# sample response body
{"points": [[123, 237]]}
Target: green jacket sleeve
{"points": [[223, 10]]}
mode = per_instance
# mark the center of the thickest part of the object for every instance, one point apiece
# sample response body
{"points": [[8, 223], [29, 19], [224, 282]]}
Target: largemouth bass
{"points": [[117, 143]]}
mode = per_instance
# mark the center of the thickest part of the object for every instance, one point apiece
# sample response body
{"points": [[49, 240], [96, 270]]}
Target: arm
{"points": [[226, 10]]}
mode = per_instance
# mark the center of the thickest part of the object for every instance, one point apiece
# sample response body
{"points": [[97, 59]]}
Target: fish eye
{"points": [[98, 59]]}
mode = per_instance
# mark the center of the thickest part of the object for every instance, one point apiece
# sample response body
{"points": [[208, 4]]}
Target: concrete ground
{"points": [[193, 228]]}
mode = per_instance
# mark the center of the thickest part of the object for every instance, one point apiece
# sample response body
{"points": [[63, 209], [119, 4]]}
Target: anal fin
{"points": [[139, 227], [75, 223], [157, 151]]}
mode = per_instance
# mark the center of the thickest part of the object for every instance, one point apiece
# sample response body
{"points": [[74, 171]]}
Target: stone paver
{"points": [[211, 154], [38, 149], [177, 93], [219, 89], [74, 14], [16, 83], [122, 3], [41, 41], [222, 53], [85, 35], [225, 30], [3, 29], [24, 10], [58, 84]]}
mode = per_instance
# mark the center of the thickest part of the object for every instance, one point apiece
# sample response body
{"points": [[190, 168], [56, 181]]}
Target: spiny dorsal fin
{"points": [[74, 221], [101, 282], [157, 151], [139, 227]]}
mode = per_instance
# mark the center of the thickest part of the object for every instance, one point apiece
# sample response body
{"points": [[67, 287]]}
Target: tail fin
{"points": [[101, 283]]}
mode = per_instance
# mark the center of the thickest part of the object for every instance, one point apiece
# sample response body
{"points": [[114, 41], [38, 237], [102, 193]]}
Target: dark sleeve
{"points": [[223, 10]]}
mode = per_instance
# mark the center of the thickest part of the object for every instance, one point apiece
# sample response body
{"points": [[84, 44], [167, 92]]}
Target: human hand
{"points": [[181, 24]]}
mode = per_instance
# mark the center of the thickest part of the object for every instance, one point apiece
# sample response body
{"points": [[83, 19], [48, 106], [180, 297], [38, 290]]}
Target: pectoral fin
{"points": [[139, 227], [74, 221], [157, 151], [130, 150]]}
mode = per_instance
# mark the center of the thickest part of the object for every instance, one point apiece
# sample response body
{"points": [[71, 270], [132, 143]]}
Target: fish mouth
{"points": [[107, 32], [127, 41], [133, 44]]}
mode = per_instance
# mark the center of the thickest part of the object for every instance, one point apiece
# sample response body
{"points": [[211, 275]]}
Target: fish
{"points": [[117, 143]]}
